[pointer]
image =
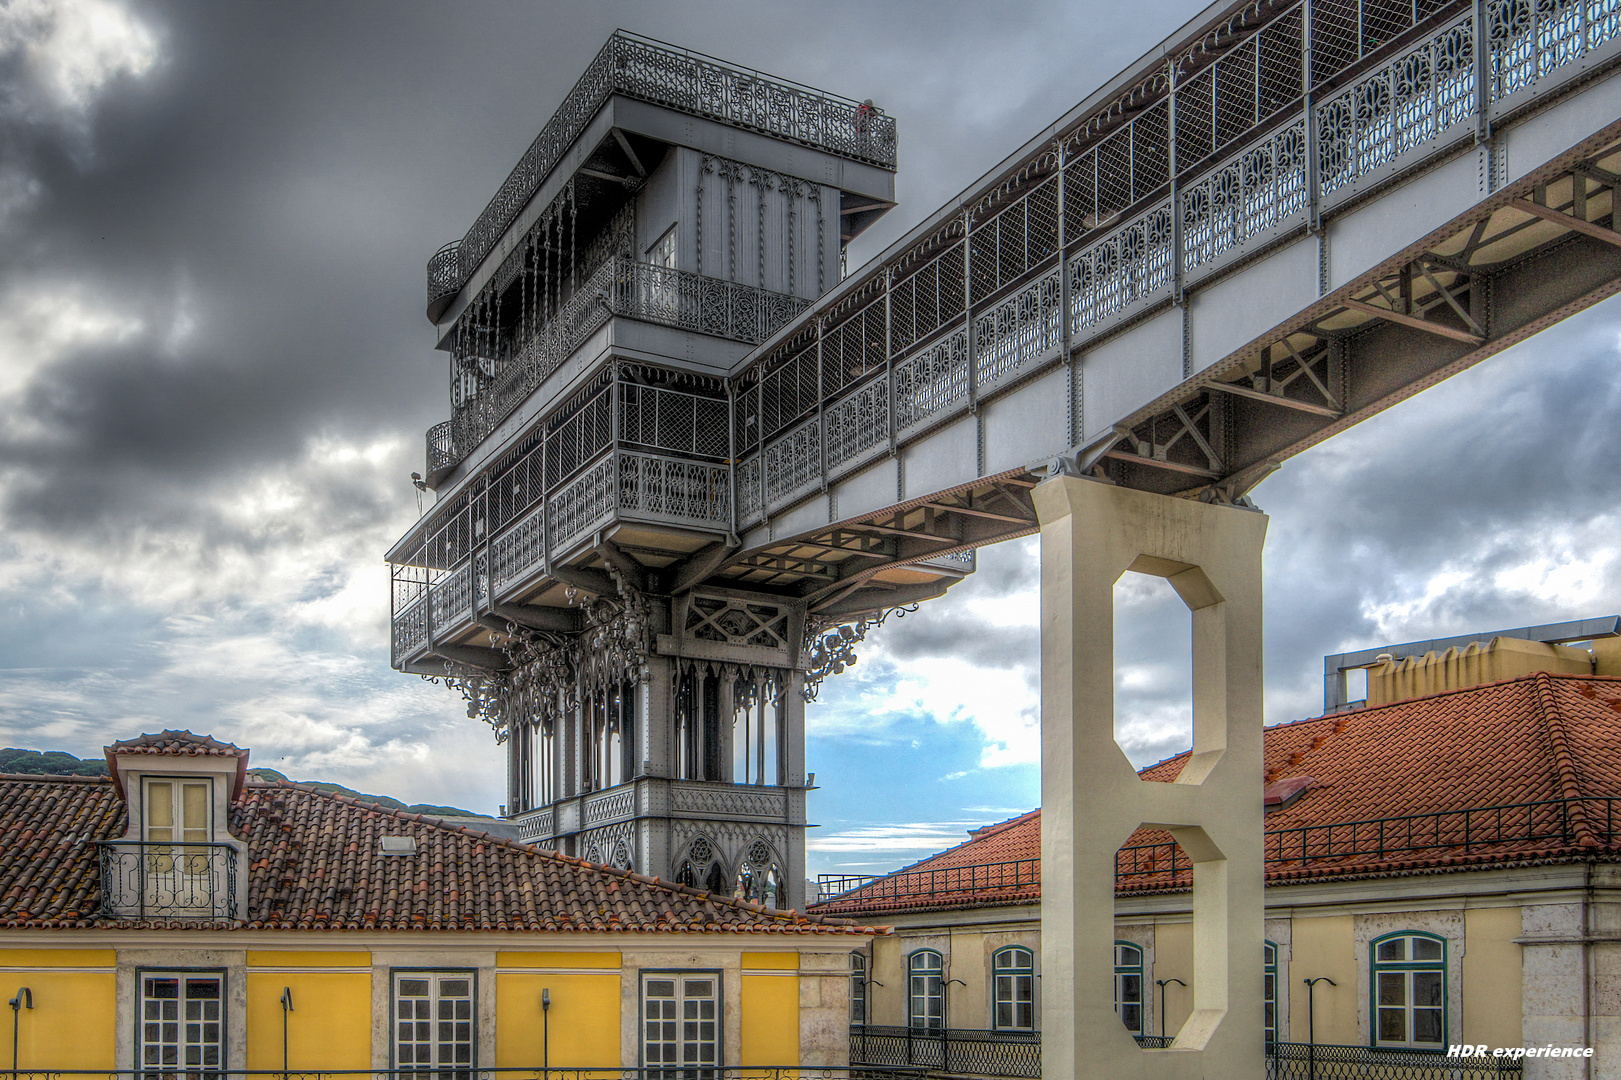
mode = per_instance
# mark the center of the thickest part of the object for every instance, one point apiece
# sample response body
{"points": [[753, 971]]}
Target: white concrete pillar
{"points": [[1092, 799]]}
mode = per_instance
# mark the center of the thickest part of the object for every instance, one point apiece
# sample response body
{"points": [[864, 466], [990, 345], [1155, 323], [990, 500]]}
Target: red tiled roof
{"points": [[178, 744], [1544, 738], [313, 862]]}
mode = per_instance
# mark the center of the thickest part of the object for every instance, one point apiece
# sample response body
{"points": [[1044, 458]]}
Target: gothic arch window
{"points": [[759, 878], [701, 868]]}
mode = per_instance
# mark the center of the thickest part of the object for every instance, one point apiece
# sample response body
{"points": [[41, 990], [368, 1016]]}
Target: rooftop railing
{"points": [[679, 79], [1562, 823]]}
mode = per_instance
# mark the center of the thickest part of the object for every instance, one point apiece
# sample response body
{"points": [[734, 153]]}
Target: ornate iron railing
{"points": [[173, 881], [677, 79], [1018, 1054], [635, 290], [444, 277], [1306, 1061], [1254, 156], [441, 442], [1552, 821], [464, 1072]]}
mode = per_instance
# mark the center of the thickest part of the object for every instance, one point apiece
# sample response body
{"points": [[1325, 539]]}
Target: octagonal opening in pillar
{"points": [[1153, 671]]}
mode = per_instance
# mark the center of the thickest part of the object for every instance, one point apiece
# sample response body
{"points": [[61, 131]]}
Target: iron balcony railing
{"points": [[451, 1072], [1557, 822], [168, 880], [690, 82], [1018, 1054], [620, 287], [1307, 1061]]}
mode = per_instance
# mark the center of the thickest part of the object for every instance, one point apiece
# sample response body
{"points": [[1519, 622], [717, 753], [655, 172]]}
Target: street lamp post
{"points": [[1161, 984], [1311, 1023]]}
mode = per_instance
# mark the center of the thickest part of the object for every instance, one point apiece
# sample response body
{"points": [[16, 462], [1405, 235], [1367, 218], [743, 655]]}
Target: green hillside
{"points": [[57, 763]]}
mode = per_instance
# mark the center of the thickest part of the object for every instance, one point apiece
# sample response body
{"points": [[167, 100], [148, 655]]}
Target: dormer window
{"points": [[176, 859]]}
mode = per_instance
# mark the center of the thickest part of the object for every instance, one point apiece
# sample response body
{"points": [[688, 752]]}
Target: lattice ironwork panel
{"points": [[749, 505], [1195, 120], [663, 419], [662, 488], [1256, 191], [793, 463], [1022, 327], [1533, 38], [854, 348], [857, 422], [931, 379], [789, 391], [577, 436], [1400, 106], [583, 505], [520, 550], [1131, 263]]}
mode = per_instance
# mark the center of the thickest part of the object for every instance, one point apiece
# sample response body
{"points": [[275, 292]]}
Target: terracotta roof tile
{"points": [[177, 742], [314, 862], [1542, 739]]}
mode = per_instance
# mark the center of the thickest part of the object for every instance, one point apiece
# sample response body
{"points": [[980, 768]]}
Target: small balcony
{"points": [[169, 880]]}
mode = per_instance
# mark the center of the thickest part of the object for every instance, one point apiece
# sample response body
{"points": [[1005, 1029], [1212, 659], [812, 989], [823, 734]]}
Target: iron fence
{"points": [[600, 1072], [1307, 1061], [1018, 1054], [168, 880]]}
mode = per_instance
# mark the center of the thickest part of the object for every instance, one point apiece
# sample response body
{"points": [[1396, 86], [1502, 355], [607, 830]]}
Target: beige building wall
{"points": [[1492, 1001], [1325, 945], [1173, 959]]}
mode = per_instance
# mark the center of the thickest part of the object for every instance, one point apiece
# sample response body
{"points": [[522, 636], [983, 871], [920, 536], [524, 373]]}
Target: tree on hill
{"points": [[48, 763]]}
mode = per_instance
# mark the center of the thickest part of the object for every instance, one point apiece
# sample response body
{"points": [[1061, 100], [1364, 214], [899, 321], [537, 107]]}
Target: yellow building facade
{"points": [[181, 915]]}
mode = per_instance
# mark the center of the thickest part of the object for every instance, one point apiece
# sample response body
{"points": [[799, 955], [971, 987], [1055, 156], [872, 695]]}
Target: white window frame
{"points": [[1013, 985], [188, 1032], [858, 988], [686, 1068], [926, 990], [1402, 972], [1124, 969], [1269, 989], [436, 1002]]}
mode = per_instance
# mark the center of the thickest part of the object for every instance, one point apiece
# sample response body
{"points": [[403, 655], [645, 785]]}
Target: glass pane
{"points": [[699, 987], [454, 987], [1392, 988], [1270, 952], [1427, 1025], [1426, 949], [1394, 949], [197, 989], [194, 808], [1427, 988], [413, 987], [661, 988], [1392, 1025], [1131, 988]]}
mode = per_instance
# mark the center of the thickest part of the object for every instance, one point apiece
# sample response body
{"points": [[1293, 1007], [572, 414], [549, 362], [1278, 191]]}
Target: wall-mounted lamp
{"points": [[286, 1007], [545, 1028], [1161, 984], [23, 1000]]}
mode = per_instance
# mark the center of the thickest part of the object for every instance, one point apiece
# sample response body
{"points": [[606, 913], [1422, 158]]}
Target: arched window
{"points": [[1013, 978], [1270, 991], [1409, 990], [926, 990], [759, 878], [701, 868], [858, 988], [1128, 985]]}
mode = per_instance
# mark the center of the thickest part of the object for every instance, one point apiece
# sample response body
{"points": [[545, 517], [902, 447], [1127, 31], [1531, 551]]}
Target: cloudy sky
{"points": [[215, 375]]}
